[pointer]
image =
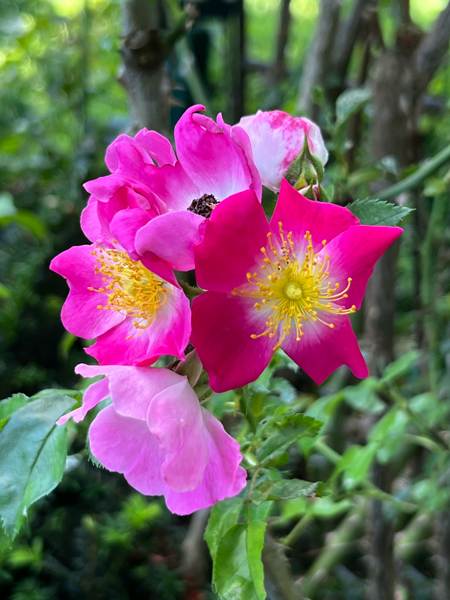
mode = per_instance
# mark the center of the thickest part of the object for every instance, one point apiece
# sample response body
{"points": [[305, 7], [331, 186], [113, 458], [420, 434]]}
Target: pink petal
{"points": [[297, 214], [222, 326], [223, 477], [125, 225], [234, 235], [322, 350], [80, 314], [224, 167], [170, 183], [152, 146], [277, 139], [175, 418], [90, 223], [172, 237], [133, 388], [125, 445], [95, 393], [104, 188], [157, 146], [167, 334], [354, 253], [240, 137], [159, 267]]}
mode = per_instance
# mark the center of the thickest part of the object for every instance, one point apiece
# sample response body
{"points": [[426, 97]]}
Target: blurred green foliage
{"points": [[92, 537]]}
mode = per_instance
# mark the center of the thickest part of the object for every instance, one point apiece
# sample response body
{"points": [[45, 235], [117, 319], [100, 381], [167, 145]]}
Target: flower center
{"points": [[291, 292], [131, 289], [203, 206]]}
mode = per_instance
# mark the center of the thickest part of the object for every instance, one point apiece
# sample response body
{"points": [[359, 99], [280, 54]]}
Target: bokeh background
{"points": [[383, 118]]}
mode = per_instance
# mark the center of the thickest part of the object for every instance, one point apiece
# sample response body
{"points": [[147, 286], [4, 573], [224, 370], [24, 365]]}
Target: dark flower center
{"points": [[203, 206]]}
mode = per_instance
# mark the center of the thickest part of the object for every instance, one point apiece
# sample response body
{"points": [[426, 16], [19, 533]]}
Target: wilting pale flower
{"points": [[277, 139], [158, 435], [136, 314], [163, 195], [290, 284]]}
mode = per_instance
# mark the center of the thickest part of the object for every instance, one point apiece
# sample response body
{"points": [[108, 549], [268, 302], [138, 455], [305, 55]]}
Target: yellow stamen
{"points": [[292, 292], [131, 289]]}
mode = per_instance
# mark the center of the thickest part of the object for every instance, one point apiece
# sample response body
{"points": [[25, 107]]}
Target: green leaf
{"points": [[224, 516], [268, 489], [286, 431], [238, 571], [32, 457], [9, 407], [388, 433], [400, 366], [363, 397], [355, 463], [349, 102], [377, 212]]}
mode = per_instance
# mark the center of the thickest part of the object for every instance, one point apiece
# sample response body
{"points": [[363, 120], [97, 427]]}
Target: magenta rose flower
{"points": [[158, 435], [277, 139], [289, 284], [168, 195]]}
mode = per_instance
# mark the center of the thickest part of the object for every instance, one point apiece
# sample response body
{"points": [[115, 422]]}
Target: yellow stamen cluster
{"points": [[292, 292], [131, 289]]}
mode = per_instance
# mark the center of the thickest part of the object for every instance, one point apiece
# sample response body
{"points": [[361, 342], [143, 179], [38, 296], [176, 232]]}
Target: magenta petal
{"points": [[297, 214], [354, 253], [175, 418], [224, 167], [125, 225], [321, 350], [126, 446], [167, 334], [80, 314], [234, 236], [172, 237], [222, 326], [223, 477], [95, 393]]}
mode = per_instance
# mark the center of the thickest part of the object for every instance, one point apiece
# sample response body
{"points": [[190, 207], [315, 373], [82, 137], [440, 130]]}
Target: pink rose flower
{"points": [[134, 307], [277, 139], [158, 435], [162, 191], [290, 284]]}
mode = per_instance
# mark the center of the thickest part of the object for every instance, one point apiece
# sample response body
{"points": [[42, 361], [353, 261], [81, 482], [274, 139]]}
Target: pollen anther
{"points": [[131, 289]]}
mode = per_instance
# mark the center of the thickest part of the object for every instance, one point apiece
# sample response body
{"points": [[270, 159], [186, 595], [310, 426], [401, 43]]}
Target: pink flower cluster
{"points": [[290, 283]]}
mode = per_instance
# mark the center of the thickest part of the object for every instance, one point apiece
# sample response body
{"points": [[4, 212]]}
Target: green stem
{"points": [[339, 544], [418, 420], [437, 217], [245, 408], [292, 537], [414, 180], [333, 456], [253, 482]]}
